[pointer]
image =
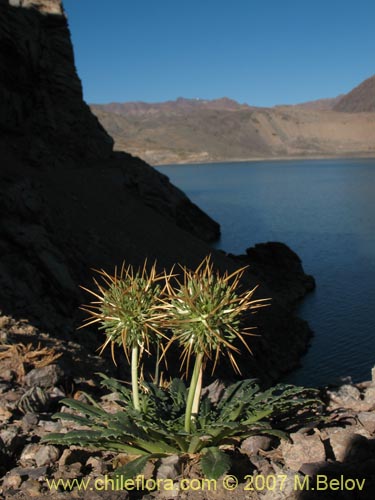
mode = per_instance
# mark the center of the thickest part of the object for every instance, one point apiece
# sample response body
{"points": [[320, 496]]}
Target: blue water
{"points": [[325, 211]]}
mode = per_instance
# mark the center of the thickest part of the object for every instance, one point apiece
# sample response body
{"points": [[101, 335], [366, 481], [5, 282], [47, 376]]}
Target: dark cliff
{"points": [[42, 112], [68, 203], [45, 123]]}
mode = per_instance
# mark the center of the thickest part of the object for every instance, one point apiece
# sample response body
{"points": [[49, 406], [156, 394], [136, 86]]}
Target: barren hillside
{"points": [[360, 99], [204, 134]]}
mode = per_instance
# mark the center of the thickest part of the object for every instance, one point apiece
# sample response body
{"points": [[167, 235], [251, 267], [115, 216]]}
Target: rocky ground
{"points": [[334, 459]]}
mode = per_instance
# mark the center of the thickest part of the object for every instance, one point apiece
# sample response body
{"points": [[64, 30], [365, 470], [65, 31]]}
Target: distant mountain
{"points": [[180, 105], [200, 130], [321, 104], [360, 99]]}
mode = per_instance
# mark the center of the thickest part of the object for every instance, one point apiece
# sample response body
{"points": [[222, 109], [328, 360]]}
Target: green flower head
{"points": [[126, 307], [205, 313]]}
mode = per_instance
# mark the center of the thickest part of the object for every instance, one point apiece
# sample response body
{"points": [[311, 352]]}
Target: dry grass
{"points": [[24, 357]]}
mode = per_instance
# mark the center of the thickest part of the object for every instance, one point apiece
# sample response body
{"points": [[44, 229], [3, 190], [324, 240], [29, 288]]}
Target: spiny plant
{"points": [[158, 429], [204, 311], [127, 310]]}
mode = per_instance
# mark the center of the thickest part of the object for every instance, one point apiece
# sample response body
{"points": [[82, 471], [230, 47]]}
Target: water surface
{"points": [[325, 211]]}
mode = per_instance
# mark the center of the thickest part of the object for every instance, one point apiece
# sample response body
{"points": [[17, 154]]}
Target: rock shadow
{"points": [[351, 479]]}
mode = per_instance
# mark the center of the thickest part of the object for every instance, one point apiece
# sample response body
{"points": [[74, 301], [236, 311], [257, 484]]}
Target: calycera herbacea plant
{"points": [[204, 313], [203, 310], [127, 310]]}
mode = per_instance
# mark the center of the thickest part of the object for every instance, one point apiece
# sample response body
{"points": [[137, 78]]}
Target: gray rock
{"points": [[29, 472], [28, 453], [367, 419], [11, 439], [32, 488], [341, 440], [69, 471], [214, 391], [47, 455], [312, 468], [348, 392], [262, 465], [12, 481], [29, 421], [169, 468], [285, 485], [303, 449], [349, 397], [370, 397], [98, 465], [50, 426], [47, 376], [44, 6], [253, 444]]}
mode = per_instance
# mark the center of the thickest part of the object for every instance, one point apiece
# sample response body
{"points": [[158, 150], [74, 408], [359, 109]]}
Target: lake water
{"points": [[325, 211]]}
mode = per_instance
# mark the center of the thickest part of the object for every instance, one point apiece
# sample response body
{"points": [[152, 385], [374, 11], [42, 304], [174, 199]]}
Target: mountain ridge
{"points": [[200, 130], [359, 100]]}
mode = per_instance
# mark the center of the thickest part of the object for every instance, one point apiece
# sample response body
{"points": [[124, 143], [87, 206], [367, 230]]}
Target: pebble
{"points": [[29, 421], [29, 452], [253, 444], [47, 455], [97, 464], [47, 376], [169, 467], [32, 488], [12, 481], [50, 426], [10, 438]]}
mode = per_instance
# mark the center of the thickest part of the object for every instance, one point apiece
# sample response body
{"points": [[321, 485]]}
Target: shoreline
{"points": [[359, 156]]}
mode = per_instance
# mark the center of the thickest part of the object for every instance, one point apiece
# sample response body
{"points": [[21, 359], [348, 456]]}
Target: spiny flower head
{"points": [[126, 307], [205, 313]]}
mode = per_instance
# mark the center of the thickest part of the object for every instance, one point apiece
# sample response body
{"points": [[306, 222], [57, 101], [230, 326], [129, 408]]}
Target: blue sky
{"points": [[262, 52]]}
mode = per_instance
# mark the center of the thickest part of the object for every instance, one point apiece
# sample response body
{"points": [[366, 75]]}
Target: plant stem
{"points": [[197, 394], [192, 390], [135, 389], [157, 374]]}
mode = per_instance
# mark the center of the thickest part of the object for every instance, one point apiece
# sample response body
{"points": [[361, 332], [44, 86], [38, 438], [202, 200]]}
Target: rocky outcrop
{"points": [[275, 264]]}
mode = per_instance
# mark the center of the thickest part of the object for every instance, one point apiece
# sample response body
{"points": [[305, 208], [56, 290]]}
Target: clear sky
{"points": [[262, 52]]}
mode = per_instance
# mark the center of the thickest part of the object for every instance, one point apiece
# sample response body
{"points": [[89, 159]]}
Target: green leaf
{"points": [[195, 444], [88, 438], [258, 415], [135, 467], [76, 418], [275, 432], [214, 463], [90, 410]]}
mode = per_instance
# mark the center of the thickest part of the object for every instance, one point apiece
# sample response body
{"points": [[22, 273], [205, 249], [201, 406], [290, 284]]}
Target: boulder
{"points": [[303, 449]]}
